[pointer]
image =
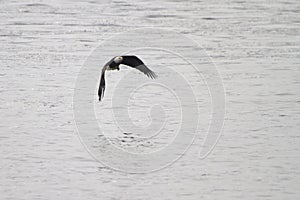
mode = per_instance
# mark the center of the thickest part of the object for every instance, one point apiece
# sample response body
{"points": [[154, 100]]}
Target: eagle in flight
{"points": [[114, 63]]}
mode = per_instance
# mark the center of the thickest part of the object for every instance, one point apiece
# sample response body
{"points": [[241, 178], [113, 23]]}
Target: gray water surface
{"points": [[255, 46]]}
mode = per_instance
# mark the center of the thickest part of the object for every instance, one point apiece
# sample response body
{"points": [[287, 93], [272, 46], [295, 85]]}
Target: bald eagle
{"points": [[114, 63]]}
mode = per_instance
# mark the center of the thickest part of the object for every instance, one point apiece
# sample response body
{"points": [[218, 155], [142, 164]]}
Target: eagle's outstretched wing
{"points": [[102, 84], [135, 62]]}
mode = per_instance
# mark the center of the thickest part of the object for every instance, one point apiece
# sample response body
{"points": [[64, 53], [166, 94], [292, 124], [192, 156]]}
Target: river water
{"points": [[254, 46]]}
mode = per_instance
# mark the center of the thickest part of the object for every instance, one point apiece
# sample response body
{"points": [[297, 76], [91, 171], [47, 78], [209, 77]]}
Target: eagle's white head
{"points": [[118, 59]]}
